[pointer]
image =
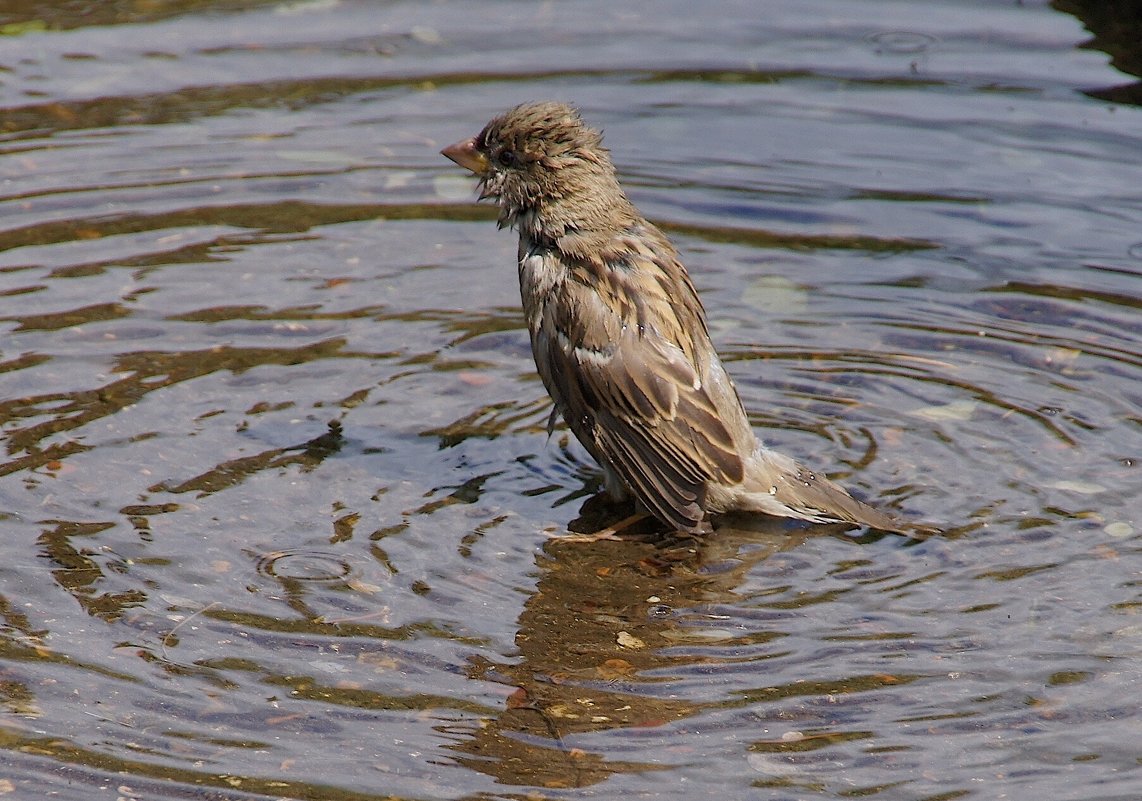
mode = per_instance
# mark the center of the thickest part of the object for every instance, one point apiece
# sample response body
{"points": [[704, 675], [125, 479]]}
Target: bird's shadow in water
{"points": [[606, 622]]}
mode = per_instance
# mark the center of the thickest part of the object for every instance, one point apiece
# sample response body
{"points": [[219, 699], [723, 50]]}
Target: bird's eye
{"points": [[507, 158]]}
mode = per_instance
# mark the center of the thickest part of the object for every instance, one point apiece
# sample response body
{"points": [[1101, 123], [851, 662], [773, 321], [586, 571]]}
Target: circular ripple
{"points": [[304, 566], [902, 42]]}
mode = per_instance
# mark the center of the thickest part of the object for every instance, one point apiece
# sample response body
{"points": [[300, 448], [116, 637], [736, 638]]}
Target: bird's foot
{"points": [[608, 533]]}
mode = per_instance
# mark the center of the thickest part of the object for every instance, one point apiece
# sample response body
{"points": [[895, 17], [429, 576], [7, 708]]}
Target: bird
{"points": [[621, 340]]}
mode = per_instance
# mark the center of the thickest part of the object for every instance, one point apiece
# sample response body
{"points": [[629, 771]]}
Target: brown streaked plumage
{"points": [[620, 337]]}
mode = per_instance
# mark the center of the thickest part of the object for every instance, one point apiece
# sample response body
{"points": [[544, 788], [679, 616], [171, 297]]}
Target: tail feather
{"points": [[777, 485]]}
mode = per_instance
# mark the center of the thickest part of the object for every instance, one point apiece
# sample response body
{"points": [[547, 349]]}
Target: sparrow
{"points": [[620, 337]]}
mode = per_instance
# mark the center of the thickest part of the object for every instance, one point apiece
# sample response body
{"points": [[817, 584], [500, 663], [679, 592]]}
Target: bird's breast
{"points": [[538, 278]]}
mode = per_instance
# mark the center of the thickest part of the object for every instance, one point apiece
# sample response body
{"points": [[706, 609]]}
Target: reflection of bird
{"points": [[620, 337]]}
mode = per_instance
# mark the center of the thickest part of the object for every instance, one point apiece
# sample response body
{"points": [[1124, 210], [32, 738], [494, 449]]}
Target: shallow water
{"points": [[281, 515]]}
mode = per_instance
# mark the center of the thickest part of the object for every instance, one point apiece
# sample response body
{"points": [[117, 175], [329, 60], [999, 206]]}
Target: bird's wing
{"points": [[636, 375], [659, 427]]}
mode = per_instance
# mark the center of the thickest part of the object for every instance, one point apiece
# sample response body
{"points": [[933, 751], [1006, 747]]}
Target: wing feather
{"points": [[634, 374]]}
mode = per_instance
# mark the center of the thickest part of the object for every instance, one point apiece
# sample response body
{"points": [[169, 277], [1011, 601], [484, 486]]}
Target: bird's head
{"points": [[545, 168]]}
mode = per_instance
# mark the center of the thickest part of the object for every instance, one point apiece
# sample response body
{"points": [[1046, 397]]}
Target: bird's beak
{"points": [[467, 156]]}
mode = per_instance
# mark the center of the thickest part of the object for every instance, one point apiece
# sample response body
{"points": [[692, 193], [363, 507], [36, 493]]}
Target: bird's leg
{"points": [[614, 486], [608, 533]]}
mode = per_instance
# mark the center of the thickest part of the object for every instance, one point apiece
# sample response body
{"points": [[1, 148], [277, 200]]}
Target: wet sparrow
{"points": [[620, 337]]}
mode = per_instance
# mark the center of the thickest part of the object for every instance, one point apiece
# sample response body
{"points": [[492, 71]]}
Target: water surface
{"points": [[281, 515]]}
